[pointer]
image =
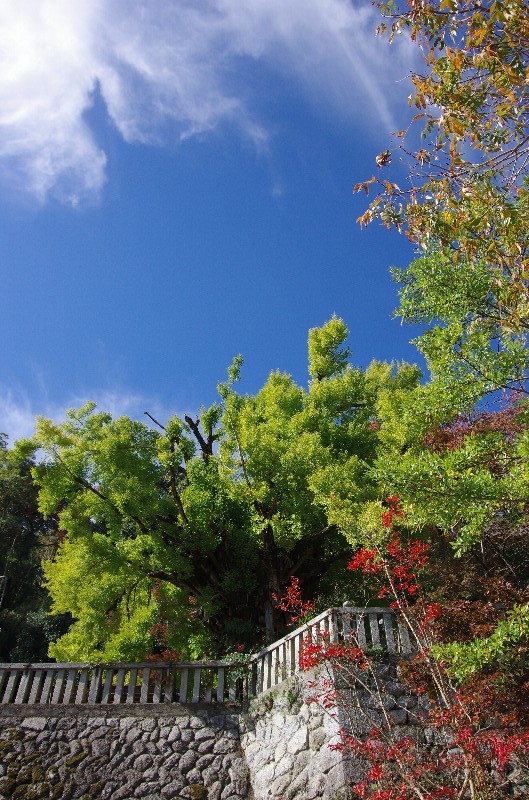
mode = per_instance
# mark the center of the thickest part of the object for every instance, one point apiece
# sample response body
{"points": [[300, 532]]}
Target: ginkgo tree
{"points": [[178, 535]]}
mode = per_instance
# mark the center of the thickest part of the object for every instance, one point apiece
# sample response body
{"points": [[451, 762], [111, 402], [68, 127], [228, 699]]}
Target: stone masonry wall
{"points": [[154, 753], [286, 746], [277, 749]]}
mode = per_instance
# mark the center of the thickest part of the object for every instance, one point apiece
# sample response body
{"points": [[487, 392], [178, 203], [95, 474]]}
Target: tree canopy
{"points": [[177, 536], [464, 203], [25, 538]]}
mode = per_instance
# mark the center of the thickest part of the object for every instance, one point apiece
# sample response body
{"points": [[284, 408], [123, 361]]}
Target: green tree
{"points": [[465, 202], [25, 539], [465, 207], [179, 536]]}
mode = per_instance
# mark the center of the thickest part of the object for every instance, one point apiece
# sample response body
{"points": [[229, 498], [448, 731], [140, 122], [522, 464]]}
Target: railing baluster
{"points": [[46, 689], [259, 679], [10, 688], [208, 685], [346, 624], [157, 692], [333, 626], [120, 682], [35, 686], [196, 684], [361, 631], [169, 685], [298, 643], [24, 686], [182, 695], [268, 671], [109, 677], [404, 636], [144, 695], [95, 685], [70, 686], [292, 660], [284, 664], [59, 680], [390, 636], [82, 688], [375, 630], [220, 684], [131, 690], [274, 666]]}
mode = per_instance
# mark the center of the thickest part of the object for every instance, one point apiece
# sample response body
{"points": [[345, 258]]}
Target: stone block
{"points": [[317, 739], [187, 761], [205, 761], [399, 716], [143, 762], [206, 746], [286, 764], [299, 741], [34, 723], [204, 733], [146, 789], [407, 702], [194, 776], [174, 735], [381, 700]]}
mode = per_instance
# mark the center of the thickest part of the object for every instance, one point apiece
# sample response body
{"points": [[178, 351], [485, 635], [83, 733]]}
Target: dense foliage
{"points": [[25, 539], [177, 536], [192, 536], [456, 449], [471, 734]]}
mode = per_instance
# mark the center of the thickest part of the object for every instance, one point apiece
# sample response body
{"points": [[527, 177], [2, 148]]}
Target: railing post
{"points": [[220, 684], [131, 690], [95, 683]]}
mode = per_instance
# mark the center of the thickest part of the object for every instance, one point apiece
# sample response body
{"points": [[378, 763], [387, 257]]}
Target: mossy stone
{"points": [[37, 774], [34, 791], [195, 791], [57, 791], [14, 734], [74, 760], [7, 786], [24, 774]]}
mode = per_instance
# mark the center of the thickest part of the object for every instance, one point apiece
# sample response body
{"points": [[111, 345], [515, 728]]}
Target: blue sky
{"points": [[176, 187]]}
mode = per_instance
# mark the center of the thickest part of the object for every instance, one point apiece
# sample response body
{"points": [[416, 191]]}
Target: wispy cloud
{"points": [[167, 70], [18, 413]]}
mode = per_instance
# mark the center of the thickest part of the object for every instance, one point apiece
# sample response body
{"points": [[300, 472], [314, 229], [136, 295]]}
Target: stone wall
{"points": [[276, 749], [150, 752], [286, 746]]}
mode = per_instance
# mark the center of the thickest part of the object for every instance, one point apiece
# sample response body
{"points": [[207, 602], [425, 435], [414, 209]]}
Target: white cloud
{"points": [[18, 413], [169, 69], [16, 417]]}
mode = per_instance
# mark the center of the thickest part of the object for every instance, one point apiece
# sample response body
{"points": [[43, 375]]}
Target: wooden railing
{"points": [[199, 682], [368, 628], [205, 682]]}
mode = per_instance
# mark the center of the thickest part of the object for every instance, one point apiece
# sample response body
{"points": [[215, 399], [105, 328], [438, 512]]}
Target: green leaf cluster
{"points": [[178, 535]]}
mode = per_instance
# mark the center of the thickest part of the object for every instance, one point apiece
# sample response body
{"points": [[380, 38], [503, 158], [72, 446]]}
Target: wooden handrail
{"points": [[199, 681], [121, 683]]}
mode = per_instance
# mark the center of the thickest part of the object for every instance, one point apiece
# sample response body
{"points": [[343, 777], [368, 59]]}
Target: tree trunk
{"points": [[270, 558]]}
